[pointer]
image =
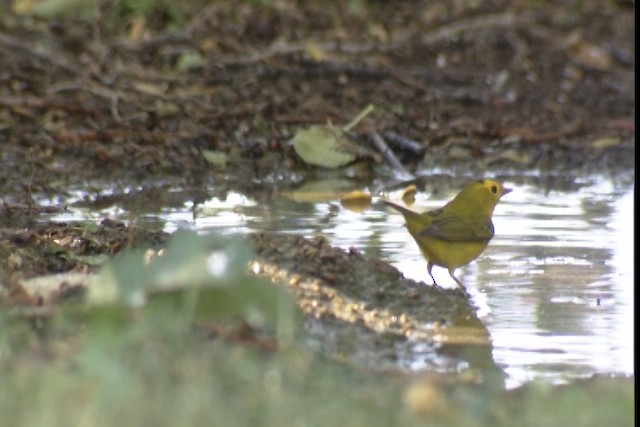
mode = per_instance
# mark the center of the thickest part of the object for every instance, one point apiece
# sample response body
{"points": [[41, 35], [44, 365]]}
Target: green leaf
{"points": [[52, 8], [216, 158], [190, 61], [322, 146]]}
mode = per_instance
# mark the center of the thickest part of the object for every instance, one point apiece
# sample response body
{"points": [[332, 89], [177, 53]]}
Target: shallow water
{"points": [[554, 287]]}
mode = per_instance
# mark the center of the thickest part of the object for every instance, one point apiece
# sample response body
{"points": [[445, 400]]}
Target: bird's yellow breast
{"points": [[445, 253], [449, 254]]}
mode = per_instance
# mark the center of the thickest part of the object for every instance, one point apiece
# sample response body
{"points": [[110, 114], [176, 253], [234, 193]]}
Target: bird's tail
{"points": [[402, 209], [415, 220]]}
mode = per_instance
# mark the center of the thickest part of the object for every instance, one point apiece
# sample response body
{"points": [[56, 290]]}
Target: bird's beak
{"points": [[506, 190]]}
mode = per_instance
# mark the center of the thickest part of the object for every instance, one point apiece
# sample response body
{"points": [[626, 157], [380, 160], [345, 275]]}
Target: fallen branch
{"points": [[405, 143], [389, 155]]}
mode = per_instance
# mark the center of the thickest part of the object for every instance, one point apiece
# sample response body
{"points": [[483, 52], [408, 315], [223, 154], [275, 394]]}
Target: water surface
{"points": [[554, 287]]}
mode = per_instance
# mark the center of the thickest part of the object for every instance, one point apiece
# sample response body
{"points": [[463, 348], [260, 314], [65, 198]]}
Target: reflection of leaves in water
{"points": [[324, 190]]}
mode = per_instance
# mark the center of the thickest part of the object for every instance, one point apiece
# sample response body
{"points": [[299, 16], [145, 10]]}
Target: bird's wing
{"points": [[454, 228]]}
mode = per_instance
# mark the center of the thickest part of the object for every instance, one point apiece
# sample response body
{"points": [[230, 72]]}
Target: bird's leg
{"points": [[451, 270], [429, 267]]}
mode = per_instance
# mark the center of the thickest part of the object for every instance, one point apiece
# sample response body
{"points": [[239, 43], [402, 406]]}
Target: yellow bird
{"points": [[457, 233]]}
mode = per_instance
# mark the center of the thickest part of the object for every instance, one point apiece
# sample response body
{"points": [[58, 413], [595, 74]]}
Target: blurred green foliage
{"points": [[53, 8], [197, 278], [147, 7], [160, 12], [136, 351]]}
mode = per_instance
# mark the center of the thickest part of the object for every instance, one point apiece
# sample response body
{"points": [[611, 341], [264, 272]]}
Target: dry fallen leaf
{"points": [[322, 146], [315, 51], [409, 195], [188, 61], [137, 29], [587, 54], [356, 201], [215, 157], [606, 142]]}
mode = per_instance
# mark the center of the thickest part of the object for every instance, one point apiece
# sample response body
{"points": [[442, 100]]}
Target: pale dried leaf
{"points": [[322, 146]]}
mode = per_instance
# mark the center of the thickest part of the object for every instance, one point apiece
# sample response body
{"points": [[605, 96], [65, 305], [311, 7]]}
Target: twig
{"points": [[483, 22], [348, 142], [368, 109], [389, 155], [30, 186], [441, 34], [566, 131], [405, 143]]}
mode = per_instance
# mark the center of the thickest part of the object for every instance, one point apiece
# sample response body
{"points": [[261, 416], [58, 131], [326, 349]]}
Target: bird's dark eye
{"points": [[494, 189]]}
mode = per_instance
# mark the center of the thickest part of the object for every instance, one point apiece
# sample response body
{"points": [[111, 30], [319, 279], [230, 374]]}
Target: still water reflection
{"points": [[558, 280], [554, 287]]}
